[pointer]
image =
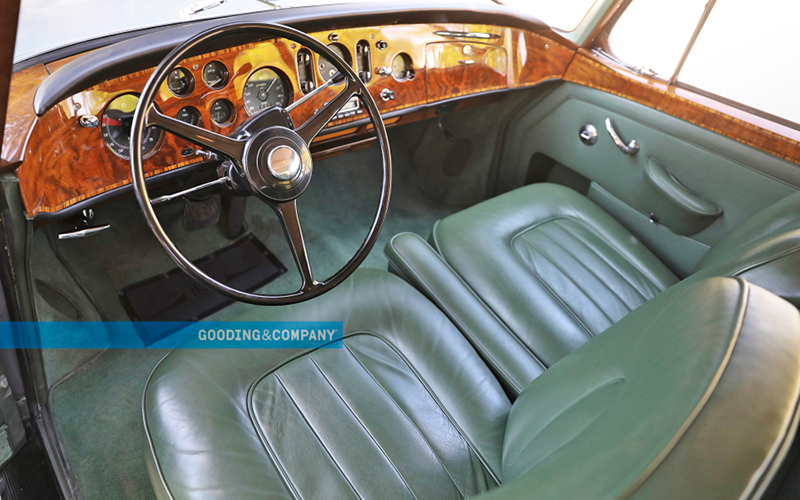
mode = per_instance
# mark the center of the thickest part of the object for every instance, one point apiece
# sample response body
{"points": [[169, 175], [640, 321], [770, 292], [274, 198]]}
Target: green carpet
{"points": [[97, 408]]}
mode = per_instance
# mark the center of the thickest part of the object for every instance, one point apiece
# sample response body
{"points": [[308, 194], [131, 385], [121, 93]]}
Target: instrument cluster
{"points": [[222, 89], [265, 87]]}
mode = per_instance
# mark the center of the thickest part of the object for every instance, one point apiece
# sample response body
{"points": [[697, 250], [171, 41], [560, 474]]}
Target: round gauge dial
{"points": [[116, 127], [264, 89], [189, 114], [402, 67], [326, 68], [222, 112], [215, 75], [180, 82]]}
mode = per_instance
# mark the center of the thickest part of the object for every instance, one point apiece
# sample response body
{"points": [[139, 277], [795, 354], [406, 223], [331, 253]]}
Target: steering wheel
{"points": [[267, 156]]}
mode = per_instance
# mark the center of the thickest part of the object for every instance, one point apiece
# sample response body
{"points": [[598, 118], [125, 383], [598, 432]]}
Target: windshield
{"points": [[47, 24]]}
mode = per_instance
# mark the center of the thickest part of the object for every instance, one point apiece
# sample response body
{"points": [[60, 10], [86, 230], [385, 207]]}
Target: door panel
{"points": [[697, 184]]}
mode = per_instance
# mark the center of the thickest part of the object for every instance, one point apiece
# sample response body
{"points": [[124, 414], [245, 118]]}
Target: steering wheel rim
{"points": [[146, 114]]}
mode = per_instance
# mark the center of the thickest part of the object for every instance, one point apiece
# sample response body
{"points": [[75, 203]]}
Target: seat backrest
{"points": [[765, 251], [693, 395]]}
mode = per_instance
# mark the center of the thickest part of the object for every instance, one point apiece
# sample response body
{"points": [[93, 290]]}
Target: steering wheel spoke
{"points": [[290, 221], [310, 129], [230, 148], [273, 162]]}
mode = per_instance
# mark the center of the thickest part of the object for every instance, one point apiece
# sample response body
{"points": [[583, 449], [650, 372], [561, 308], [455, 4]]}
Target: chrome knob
{"points": [[89, 121], [588, 134], [387, 95]]}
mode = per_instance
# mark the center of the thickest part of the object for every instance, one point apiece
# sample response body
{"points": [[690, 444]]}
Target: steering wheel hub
{"points": [[283, 163], [277, 164]]}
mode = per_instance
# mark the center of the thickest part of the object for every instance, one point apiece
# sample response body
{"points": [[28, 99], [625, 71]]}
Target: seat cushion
{"points": [[554, 267], [404, 409], [693, 396]]}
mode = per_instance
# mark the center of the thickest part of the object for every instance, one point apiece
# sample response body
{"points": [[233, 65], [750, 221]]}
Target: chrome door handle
{"points": [[629, 149]]}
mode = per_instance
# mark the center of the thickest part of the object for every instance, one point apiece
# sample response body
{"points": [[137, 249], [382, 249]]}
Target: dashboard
{"points": [[78, 149]]}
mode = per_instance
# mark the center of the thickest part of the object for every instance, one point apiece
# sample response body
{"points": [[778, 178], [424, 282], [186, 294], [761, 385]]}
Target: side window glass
{"points": [[746, 53], [652, 35]]}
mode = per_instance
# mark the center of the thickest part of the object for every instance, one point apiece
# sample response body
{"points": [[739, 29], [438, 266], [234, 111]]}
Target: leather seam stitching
{"points": [[402, 412], [486, 306], [314, 432], [470, 336], [361, 424], [765, 261], [603, 259], [274, 456], [653, 280], [413, 370], [456, 320], [549, 290], [778, 455], [609, 264], [439, 403], [585, 293], [151, 447], [743, 303]]}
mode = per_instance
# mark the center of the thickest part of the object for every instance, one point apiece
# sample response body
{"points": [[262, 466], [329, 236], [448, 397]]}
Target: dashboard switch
{"points": [[89, 121], [387, 95]]}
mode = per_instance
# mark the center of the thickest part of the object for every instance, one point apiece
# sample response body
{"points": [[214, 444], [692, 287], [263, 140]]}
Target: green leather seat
{"points": [[555, 270], [691, 396], [384, 417]]}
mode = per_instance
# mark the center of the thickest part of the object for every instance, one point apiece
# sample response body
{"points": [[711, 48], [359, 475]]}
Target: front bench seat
{"points": [[691, 396], [557, 270]]}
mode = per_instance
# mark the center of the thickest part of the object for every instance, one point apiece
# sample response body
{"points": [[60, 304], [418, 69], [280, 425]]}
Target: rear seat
{"points": [[531, 275]]}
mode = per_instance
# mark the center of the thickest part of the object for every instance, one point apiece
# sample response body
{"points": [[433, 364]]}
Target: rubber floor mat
{"points": [[174, 296]]}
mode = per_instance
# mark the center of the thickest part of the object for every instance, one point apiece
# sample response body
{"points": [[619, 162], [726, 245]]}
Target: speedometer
{"points": [[264, 89], [116, 127]]}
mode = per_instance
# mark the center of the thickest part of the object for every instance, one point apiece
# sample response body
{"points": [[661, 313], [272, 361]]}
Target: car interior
{"points": [[559, 274]]}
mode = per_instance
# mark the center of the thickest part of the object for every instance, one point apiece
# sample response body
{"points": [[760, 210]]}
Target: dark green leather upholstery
{"points": [[691, 396], [406, 408], [512, 361], [765, 250], [556, 270]]}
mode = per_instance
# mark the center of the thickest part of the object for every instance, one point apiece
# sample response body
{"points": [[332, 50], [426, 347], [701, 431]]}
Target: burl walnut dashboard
{"points": [[78, 149]]}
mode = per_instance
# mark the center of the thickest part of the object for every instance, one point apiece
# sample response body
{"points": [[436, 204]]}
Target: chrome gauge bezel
{"points": [[103, 128], [191, 83], [231, 119], [282, 77], [225, 80]]}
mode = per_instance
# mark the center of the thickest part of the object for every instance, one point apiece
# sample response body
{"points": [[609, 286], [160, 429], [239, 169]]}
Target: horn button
{"points": [[283, 162], [277, 164]]}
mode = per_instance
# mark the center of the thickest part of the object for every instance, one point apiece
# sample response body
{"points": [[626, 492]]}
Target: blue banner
{"points": [[171, 335]]}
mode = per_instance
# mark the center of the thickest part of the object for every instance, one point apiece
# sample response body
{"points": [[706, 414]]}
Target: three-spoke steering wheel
{"points": [[267, 156]]}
